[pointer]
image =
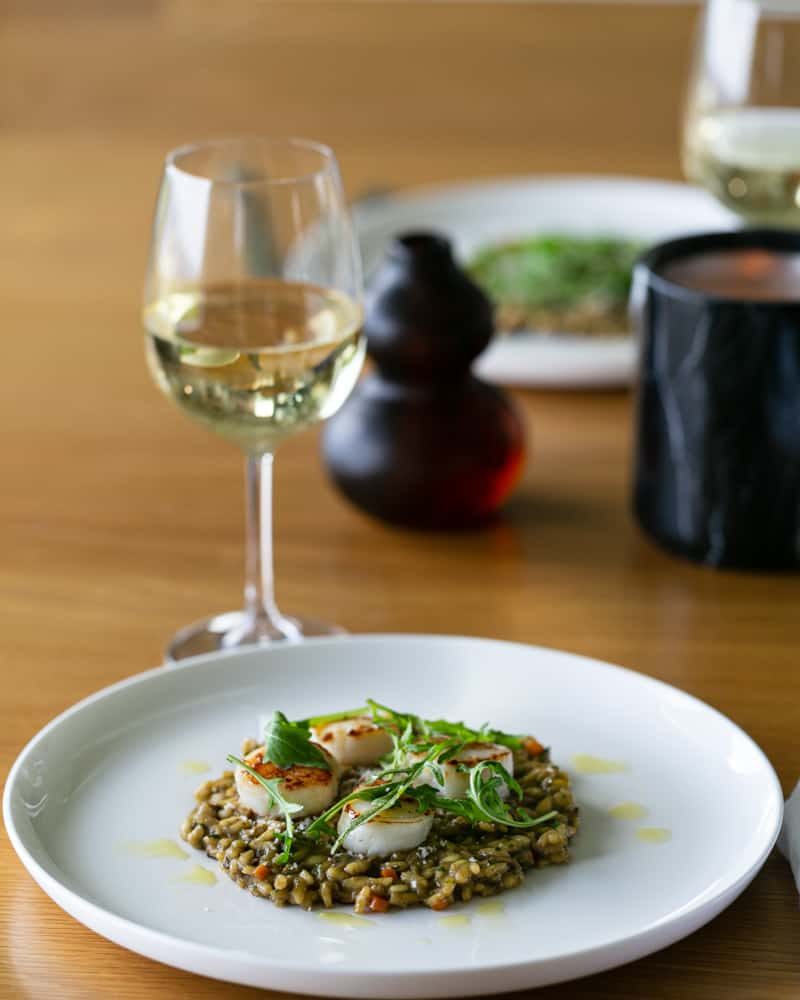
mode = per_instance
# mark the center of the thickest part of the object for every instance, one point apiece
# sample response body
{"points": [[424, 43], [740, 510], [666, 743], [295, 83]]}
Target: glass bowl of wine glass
{"points": [[742, 121], [252, 316]]}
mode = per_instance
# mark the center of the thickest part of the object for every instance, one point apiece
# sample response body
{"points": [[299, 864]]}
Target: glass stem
{"points": [[263, 615]]}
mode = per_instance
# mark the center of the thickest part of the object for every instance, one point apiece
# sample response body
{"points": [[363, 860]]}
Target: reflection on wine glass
{"points": [[742, 127], [252, 316]]}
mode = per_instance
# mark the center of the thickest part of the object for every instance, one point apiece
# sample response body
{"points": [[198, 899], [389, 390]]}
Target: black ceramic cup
{"points": [[717, 417]]}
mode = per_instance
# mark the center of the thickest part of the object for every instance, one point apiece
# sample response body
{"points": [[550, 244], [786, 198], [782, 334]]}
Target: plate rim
{"points": [[367, 203], [649, 939]]}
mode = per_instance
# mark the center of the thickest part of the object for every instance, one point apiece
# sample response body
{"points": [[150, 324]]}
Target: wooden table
{"points": [[122, 522]]}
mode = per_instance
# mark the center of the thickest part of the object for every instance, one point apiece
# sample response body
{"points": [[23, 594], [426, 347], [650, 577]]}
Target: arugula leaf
{"points": [[486, 808], [485, 782], [287, 808], [387, 717], [468, 735], [288, 743], [406, 726]]}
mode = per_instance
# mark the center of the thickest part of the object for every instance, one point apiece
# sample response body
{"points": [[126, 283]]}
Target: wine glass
{"points": [[252, 317], [742, 123]]}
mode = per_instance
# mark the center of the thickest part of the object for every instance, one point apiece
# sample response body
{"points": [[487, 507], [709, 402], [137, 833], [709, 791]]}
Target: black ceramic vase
{"points": [[717, 453], [421, 442]]}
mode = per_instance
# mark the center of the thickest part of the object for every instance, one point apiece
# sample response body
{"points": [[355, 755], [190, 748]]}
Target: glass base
{"points": [[235, 629]]}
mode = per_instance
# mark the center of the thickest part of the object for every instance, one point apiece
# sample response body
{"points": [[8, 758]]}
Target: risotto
{"points": [[442, 814]]}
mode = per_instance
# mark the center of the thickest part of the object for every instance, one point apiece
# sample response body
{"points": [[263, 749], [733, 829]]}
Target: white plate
{"points": [[108, 771], [481, 213]]}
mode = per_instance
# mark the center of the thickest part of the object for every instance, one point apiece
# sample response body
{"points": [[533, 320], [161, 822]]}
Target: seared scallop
{"points": [[400, 828], [456, 780], [311, 788], [353, 741]]}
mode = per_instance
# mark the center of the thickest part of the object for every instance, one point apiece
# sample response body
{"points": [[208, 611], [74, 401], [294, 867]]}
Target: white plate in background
{"points": [[109, 771], [477, 214]]}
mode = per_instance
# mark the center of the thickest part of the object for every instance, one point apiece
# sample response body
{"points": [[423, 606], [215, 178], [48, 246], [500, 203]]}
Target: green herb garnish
{"points": [[485, 782], [397, 780], [432, 741], [401, 722], [288, 743], [482, 735]]}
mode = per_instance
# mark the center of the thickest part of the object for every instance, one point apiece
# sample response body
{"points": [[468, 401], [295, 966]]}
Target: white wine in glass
{"points": [[742, 127], [257, 361], [252, 318]]}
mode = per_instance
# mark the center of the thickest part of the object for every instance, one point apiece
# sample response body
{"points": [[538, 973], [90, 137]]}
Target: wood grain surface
{"points": [[121, 521]]}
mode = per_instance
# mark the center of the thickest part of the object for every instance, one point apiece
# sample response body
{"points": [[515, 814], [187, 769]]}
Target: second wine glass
{"points": [[252, 317], [742, 127]]}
